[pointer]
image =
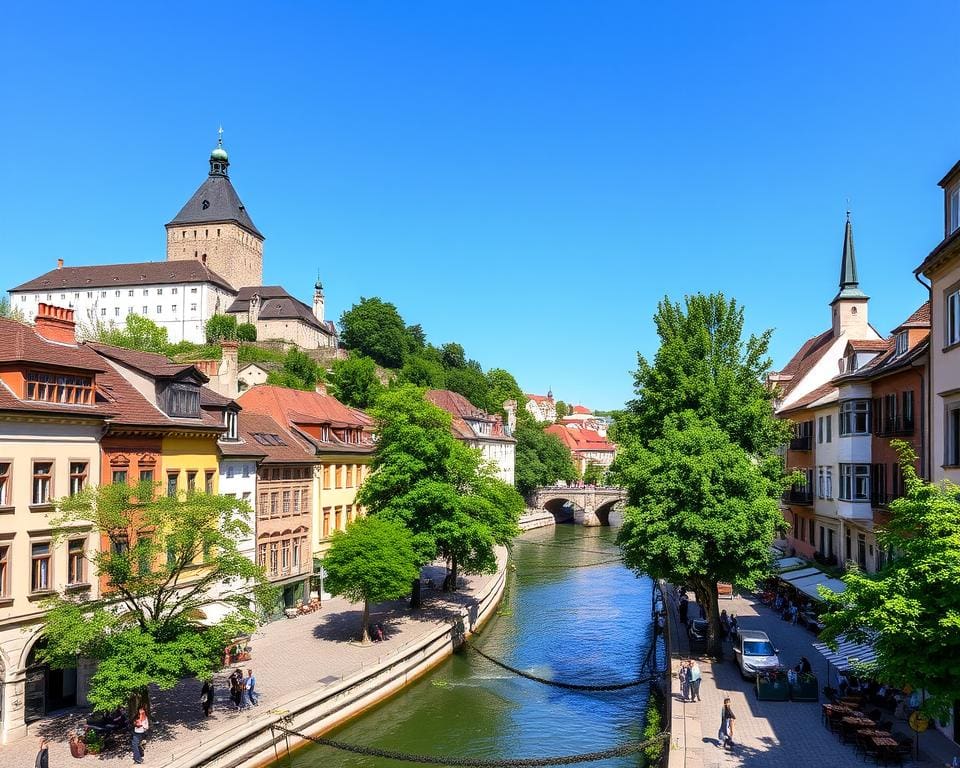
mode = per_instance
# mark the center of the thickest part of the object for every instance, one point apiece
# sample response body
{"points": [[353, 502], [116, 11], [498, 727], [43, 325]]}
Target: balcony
{"points": [[894, 427], [802, 496], [804, 443]]}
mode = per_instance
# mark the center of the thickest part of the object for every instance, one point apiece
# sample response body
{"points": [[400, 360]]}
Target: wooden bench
{"points": [[724, 590]]}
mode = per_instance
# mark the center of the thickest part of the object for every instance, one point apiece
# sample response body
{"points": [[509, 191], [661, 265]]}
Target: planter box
{"points": [[773, 690], [805, 691]]}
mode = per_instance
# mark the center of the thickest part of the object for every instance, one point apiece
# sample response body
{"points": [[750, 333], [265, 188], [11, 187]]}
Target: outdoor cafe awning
{"points": [[809, 585], [786, 563], [801, 573], [848, 654]]}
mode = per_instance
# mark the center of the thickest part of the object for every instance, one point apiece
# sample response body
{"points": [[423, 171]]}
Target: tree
{"points": [[697, 454], [542, 458], [453, 356], [299, 371], [138, 332], [562, 409], [910, 610], [246, 332], [372, 561], [221, 328], [473, 385], [423, 372], [164, 558], [416, 337], [436, 485], [354, 381], [11, 312], [594, 474], [502, 386], [374, 328]]}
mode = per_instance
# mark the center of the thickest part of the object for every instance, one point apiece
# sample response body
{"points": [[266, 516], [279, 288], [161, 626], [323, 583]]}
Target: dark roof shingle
{"points": [[215, 200], [115, 275]]}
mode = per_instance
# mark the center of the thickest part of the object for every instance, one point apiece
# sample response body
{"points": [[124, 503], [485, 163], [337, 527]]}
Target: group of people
{"points": [[690, 678], [243, 691]]}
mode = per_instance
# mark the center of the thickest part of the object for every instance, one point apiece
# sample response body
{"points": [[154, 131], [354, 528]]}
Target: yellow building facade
{"points": [[336, 481]]}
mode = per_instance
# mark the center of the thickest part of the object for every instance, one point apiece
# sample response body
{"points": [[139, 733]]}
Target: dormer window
{"points": [[57, 388], [953, 210], [180, 400], [231, 425], [903, 343]]}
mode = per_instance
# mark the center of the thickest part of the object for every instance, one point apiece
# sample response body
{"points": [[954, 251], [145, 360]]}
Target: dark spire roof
{"points": [[216, 199], [849, 284]]}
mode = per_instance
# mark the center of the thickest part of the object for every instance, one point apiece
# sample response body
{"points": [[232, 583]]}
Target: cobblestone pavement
{"points": [[290, 657], [772, 733]]}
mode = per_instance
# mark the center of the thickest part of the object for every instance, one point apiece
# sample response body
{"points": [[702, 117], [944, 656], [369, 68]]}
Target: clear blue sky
{"points": [[527, 179]]}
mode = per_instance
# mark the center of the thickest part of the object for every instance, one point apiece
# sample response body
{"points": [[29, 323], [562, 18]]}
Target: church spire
{"points": [[218, 158], [849, 283]]}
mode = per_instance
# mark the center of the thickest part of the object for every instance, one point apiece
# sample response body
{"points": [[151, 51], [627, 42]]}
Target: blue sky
{"points": [[527, 179]]}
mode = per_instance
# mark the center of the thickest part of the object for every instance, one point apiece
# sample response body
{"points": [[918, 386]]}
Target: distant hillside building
{"points": [[479, 429], [543, 408], [586, 446]]}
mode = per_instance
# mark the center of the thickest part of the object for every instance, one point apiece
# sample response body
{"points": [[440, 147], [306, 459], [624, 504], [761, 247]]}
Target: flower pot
{"points": [[805, 689]]}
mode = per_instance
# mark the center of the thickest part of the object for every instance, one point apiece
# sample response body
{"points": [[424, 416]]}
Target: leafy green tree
{"points": [[542, 459], [473, 385], [436, 485], [165, 559], [374, 328], [299, 371], [594, 474], [372, 561], [246, 332], [221, 328], [416, 338], [354, 381], [453, 356], [697, 454], [423, 372], [910, 610], [11, 312], [562, 409], [138, 332], [502, 386]]}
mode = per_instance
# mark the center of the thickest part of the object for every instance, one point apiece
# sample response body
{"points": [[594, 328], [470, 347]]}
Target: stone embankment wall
{"points": [[536, 518], [252, 744]]}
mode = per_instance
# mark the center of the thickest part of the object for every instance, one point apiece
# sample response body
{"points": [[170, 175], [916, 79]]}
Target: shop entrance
{"points": [[47, 690]]}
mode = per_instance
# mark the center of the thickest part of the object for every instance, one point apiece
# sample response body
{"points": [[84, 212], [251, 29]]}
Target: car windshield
{"points": [[757, 648]]}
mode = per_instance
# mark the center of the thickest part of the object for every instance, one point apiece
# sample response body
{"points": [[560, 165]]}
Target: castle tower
{"points": [[318, 300], [850, 304], [215, 228]]}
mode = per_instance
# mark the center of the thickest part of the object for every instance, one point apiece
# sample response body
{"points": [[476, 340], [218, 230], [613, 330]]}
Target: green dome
{"points": [[219, 154]]}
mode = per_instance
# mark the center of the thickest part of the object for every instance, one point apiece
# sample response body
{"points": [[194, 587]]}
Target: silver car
{"points": [[754, 652]]}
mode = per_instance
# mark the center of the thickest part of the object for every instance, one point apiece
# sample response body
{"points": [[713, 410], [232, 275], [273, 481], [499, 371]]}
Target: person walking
{"points": [[694, 677], [683, 608], [43, 756], [725, 734], [684, 675], [206, 697], [236, 688], [141, 725], [250, 684]]}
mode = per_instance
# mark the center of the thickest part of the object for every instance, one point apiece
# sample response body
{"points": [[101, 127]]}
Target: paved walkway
{"points": [[290, 657], [769, 733]]}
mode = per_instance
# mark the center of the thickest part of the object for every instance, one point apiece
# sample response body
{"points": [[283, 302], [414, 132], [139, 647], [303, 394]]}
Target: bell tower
{"points": [[849, 307], [215, 229]]}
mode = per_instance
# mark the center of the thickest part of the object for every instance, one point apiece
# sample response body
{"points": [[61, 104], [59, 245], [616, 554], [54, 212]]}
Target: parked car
{"points": [[698, 631], [754, 652]]}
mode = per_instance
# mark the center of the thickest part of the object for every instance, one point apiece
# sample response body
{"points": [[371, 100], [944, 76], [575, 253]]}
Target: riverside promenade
{"points": [[291, 659], [769, 734]]}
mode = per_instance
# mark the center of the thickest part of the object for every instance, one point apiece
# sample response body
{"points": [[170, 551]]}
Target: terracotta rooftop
{"points": [[122, 275], [919, 319], [461, 410], [150, 363], [581, 439], [868, 345], [582, 409], [809, 354], [824, 390], [260, 435]]}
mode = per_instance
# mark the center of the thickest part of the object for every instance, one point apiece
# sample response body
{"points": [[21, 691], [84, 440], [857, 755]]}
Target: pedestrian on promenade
{"points": [[206, 697], [725, 734], [43, 757], [236, 688], [141, 725], [683, 608], [684, 676], [694, 676], [251, 685]]}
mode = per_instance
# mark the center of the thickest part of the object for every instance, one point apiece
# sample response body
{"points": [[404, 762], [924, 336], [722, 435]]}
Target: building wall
{"points": [[22, 525], [227, 249], [238, 478], [284, 519], [182, 308], [825, 498], [944, 371], [503, 455], [294, 331], [185, 455], [338, 478]]}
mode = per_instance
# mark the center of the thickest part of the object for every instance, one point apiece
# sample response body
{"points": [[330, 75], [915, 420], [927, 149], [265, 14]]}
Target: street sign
{"points": [[918, 722]]}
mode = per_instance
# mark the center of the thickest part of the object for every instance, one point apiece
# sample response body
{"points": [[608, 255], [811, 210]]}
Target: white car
{"points": [[754, 652]]}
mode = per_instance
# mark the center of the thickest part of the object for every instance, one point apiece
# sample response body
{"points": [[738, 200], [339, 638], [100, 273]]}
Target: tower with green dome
{"points": [[215, 228]]}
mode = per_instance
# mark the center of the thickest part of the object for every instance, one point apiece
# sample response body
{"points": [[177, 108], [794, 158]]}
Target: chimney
{"points": [[59, 263], [56, 324], [321, 388], [229, 368], [510, 406]]}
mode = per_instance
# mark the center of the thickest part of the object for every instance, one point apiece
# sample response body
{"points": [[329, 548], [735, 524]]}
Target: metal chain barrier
{"points": [[563, 546], [628, 748], [558, 683], [576, 565]]}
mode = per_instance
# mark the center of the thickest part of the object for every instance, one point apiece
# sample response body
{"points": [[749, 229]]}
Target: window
{"points": [[862, 551], [116, 311], [57, 388], [896, 476], [159, 309], [40, 567], [173, 307], [119, 477], [230, 471], [296, 501], [326, 477], [829, 427], [273, 558], [145, 309], [952, 317], [811, 529], [159, 291], [902, 343], [172, 479], [103, 295], [296, 554], [878, 485], [5, 483], [326, 522], [262, 509], [78, 476], [130, 292], [274, 503], [120, 545], [953, 212], [262, 555], [286, 502], [231, 425], [952, 453], [285, 557], [4, 570], [193, 307], [855, 482], [191, 481], [75, 558], [117, 294], [907, 410], [349, 482], [103, 311], [42, 480], [208, 482], [854, 417], [193, 290], [173, 291], [181, 400], [146, 475], [246, 470], [829, 482], [821, 482], [820, 429]]}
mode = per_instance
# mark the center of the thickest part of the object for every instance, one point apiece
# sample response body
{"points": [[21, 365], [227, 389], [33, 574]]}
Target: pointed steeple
{"points": [[849, 283]]}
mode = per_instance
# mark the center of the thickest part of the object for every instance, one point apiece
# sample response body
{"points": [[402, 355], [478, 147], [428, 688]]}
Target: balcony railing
{"points": [[804, 443], [799, 496], [898, 426]]}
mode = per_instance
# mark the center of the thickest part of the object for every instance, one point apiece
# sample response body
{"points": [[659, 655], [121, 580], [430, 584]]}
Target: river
{"points": [[567, 615]]}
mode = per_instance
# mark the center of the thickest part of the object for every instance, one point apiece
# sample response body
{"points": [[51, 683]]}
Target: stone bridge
{"points": [[587, 506]]}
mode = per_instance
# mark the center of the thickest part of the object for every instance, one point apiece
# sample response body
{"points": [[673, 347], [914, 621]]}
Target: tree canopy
{"points": [[910, 610], [137, 332], [374, 328], [221, 328], [167, 561], [372, 561], [697, 454], [299, 371], [354, 381], [542, 459], [436, 485]]}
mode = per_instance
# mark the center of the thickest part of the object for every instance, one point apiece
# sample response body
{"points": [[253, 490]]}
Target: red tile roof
{"points": [[579, 440], [462, 409], [809, 354], [539, 398], [919, 319], [581, 409], [260, 435], [810, 398], [150, 363], [868, 345], [22, 344]]}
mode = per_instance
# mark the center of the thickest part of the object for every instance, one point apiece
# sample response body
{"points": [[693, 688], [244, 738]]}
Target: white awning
{"points": [[801, 573], [786, 563], [808, 585], [848, 654]]}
